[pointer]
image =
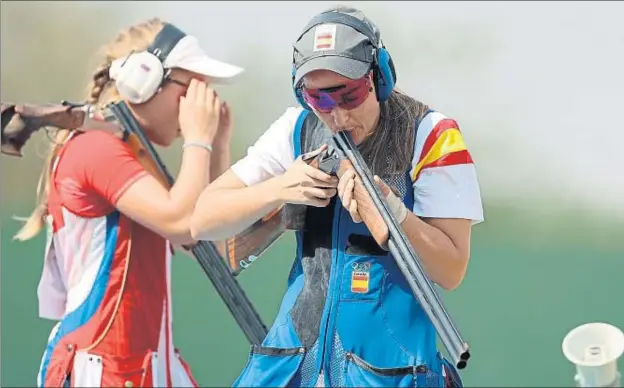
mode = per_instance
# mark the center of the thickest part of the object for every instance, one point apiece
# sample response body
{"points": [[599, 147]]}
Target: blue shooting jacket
{"points": [[348, 311]]}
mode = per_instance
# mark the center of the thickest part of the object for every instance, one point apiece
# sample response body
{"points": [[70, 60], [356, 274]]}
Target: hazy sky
{"points": [[537, 87]]}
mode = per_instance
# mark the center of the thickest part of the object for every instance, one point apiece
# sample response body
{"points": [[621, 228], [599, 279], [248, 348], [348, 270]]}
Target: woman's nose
{"points": [[340, 117]]}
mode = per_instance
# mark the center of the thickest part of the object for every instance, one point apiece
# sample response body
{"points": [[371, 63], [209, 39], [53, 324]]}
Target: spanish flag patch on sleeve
{"points": [[444, 146]]}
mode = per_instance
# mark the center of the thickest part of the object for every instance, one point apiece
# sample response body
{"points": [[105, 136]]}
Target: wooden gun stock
{"points": [[21, 121], [143, 156], [245, 248]]}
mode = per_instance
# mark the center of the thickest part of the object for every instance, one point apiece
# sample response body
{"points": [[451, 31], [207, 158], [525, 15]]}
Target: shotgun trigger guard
{"points": [[329, 161]]}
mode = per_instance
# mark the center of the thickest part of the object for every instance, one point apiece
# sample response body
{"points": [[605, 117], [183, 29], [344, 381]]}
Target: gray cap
{"points": [[335, 46]]}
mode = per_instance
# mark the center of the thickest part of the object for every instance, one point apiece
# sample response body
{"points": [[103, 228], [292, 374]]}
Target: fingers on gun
{"points": [[342, 183], [346, 189], [355, 214], [309, 157], [317, 151], [320, 176], [345, 179], [311, 182], [346, 196], [318, 196], [349, 202]]}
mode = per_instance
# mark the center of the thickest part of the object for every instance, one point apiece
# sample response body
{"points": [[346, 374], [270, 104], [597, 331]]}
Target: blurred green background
{"points": [[550, 255]]}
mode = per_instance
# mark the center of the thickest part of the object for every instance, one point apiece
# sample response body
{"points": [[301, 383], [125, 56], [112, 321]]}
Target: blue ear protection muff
{"points": [[140, 75], [384, 73]]}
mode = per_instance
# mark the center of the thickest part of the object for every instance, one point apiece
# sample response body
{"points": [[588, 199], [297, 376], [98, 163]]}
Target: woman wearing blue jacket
{"points": [[348, 317]]}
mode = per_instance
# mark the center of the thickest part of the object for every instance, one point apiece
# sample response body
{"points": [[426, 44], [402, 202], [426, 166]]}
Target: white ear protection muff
{"points": [[139, 76]]}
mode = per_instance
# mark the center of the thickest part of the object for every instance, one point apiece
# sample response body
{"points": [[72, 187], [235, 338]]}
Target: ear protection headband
{"points": [[140, 75], [384, 73]]}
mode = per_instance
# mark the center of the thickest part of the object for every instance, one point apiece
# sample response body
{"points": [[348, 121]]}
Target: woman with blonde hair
{"points": [[107, 269]]}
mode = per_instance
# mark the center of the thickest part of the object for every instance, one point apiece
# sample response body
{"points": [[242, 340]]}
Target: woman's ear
{"points": [[374, 77]]}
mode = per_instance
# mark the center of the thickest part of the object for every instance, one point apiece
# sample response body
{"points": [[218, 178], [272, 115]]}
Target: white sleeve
{"points": [[443, 172], [272, 153], [51, 291]]}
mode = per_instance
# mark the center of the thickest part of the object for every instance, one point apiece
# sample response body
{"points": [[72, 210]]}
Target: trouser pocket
{"points": [[87, 370], [360, 373], [105, 370], [271, 367]]}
